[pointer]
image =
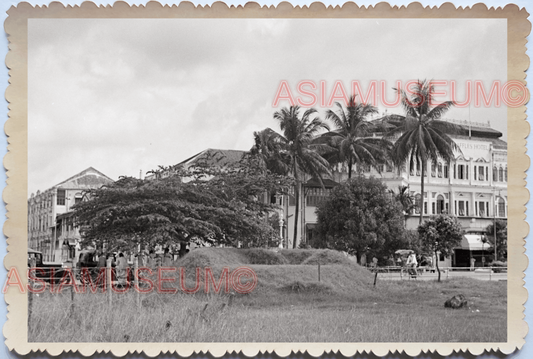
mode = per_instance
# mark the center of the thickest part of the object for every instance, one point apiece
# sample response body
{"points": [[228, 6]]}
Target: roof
{"points": [[314, 182], [33, 251], [464, 129], [88, 178], [215, 157]]}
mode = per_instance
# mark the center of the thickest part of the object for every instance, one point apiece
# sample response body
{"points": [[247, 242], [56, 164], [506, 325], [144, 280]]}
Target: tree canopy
{"points": [[501, 238], [218, 205], [440, 234], [422, 135], [352, 139], [360, 216], [295, 151]]}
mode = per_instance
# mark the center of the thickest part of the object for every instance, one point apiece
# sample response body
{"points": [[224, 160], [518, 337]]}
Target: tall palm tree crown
{"points": [[295, 152], [353, 139], [422, 136]]}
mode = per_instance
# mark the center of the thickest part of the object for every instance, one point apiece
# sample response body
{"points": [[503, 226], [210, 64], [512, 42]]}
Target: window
{"points": [[60, 197], [481, 173], [433, 172], [500, 174], [446, 174], [501, 207], [440, 205], [316, 196], [425, 208], [463, 208], [495, 174], [418, 197], [462, 172], [505, 174], [433, 208], [439, 170], [481, 206]]}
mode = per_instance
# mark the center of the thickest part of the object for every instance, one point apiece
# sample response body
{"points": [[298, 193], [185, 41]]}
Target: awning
{"points": [[473, 242]]}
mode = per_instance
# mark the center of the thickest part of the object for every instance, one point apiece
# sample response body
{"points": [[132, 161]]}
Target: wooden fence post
{"points": [[72, 299], [136, 281], [30, 306], [108, 281]]}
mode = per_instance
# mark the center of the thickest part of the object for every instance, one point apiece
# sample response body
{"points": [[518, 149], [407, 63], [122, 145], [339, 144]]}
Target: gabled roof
{"points": [[88, 178], [315, 183], [214, 157]]}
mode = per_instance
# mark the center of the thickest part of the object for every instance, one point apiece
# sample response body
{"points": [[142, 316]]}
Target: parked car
{"points": [[48, 272]]}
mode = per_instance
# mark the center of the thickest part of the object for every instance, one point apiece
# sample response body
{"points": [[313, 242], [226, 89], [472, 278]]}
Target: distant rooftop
{"points": [[217, 157]]}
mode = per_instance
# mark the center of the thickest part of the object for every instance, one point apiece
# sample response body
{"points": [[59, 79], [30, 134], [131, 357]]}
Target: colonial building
{"points": [[51, 228], [473, 188]]}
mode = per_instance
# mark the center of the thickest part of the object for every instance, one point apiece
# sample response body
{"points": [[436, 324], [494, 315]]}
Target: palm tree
{"points": [[268, 149], [353, 139], [298, 150], [422, 136]]}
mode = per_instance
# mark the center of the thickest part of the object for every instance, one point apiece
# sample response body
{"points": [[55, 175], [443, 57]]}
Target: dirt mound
{"points": [[307, 287], [205, 257], [327, 256], [209, 257], [296, 256], [264, 256]]}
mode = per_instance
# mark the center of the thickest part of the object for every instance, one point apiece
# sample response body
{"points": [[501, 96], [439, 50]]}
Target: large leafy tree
{"points": [[295, 151], [422, 135], [360, 216], [501, 238], [215, 205], [352, 139], [440, 234]]}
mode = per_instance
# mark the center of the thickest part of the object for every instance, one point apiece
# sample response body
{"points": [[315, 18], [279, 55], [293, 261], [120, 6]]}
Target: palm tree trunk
{"points": [[350, 168], [297, 204], [296, 212], [422, 173]]}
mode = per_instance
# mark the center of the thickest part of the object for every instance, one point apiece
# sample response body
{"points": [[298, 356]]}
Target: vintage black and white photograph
{"points": [[268, 180]]}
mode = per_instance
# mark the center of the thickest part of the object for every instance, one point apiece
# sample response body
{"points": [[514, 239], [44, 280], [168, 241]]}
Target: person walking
{"points": [[122, 264]]}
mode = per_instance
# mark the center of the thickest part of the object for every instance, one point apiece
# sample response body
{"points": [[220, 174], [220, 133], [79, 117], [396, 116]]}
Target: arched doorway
{"points": [[441, 204]]}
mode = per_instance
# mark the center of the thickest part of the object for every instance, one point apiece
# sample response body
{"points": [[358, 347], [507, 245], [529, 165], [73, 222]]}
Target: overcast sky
{"points": [[127, 95]]}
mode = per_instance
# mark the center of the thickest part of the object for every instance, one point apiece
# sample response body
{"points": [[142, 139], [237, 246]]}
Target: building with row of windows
{"points": [[51, 227], [473, 188]]}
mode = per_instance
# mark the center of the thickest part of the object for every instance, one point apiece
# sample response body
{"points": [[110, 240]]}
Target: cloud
{"points": [[128, 94]]}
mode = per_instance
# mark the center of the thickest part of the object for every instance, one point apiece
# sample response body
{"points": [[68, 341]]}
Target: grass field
{"points": [[288, 305]]}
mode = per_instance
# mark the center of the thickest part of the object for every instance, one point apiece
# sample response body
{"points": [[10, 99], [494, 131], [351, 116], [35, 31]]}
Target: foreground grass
{"points": [[289, 310]]}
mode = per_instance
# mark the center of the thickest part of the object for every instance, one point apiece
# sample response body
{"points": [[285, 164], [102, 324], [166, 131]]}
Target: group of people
{"points": [[147, 258]]}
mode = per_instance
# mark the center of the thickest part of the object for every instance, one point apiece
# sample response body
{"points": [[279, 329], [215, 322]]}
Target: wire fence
{"points": [[428, 273]]}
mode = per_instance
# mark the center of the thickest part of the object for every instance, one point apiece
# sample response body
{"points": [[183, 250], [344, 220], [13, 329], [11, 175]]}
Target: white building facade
{"points": [[51, 228]]}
